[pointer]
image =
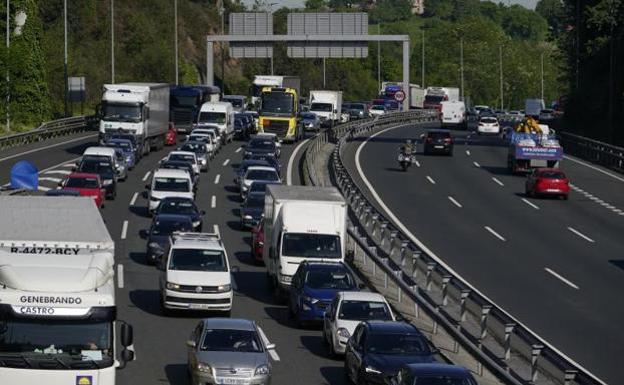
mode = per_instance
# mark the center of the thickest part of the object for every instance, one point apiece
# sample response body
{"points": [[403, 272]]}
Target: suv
{"points": [[196, 274], [438, 141], [169, 183]]}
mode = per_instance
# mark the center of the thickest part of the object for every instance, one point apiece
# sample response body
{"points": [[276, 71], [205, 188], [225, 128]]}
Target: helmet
{"points": [[409, 141]]}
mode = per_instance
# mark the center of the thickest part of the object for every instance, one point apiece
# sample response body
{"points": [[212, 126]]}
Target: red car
{"points": [[88, 185], [172, 136], [547, 181], [257, 241]]}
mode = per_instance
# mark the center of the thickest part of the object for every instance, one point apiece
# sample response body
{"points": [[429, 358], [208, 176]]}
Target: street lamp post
{"points": [[66, 88], [175, 45], [271, 10], [461, 65], [112, 7], [8, 44], [500, 58], [422, 68], [222, 13], [542, 72], [379, 58]]}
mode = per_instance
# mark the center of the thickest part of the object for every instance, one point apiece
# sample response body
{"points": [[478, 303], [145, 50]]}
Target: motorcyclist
{"points": [[407, 148]]}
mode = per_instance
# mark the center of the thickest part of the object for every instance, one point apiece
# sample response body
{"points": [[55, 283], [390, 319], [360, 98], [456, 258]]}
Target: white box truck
{"points": [[453, 114], [327, 105], [220, 115], [279, 81], [140, 109], [57, 298], [302, 222]]}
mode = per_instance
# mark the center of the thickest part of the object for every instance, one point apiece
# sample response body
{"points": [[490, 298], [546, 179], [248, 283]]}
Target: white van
{"points": [[453, 113], [116, 158], [219, 114], [169, 183]]}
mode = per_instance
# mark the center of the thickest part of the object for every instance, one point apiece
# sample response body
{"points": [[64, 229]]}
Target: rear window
{"points": [[436, 135], [551, 175], [489, 120]]}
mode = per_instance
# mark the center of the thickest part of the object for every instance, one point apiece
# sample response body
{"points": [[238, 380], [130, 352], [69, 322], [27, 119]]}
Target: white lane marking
{"points": [[561, 278], [594, 198], [497, 181], [417, 164], [455, 202], [67, 164], [291, 160], [476, 164], [272, 352], [430, 179], [43, 188], [536, 207], [120, 276], [46, 147], [585, 237], [50, 179], [124, 230], [213, 202], [238, 150], [594, 168], [468, 152], [226, 162], [62, 172], [134, 198], [217, 179], [439, 260], [216, 229], [494, 233], [147, 174]]}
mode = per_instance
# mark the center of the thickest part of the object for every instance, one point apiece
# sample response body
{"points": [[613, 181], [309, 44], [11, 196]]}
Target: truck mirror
{"points": [[127, 335], [126, 356]]}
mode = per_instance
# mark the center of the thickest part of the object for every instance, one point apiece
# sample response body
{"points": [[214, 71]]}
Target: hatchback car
{"points": [[547, 181], [273, 162], [159, 234], [201, 153], [310, 121], [488, 125], [377, 110], [378, 349], [264, 146], [182, 206], [185, 156], [257, 241], [251, 209], [244, 165], [433, 374], [257, 173], [181, 165], [105, 169], [229, 351], [438, 141], [126, 147], [87, 185]]}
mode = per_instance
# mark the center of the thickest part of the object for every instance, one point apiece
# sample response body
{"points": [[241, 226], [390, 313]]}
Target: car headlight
{"points": [[204, 368], [107, 182], [248, 153], [202, 161], [195, 224], [173, 286], [312, 300], [224, 288], [271, 154], [370, 369], [285, 279], [263, 370], [342, 332], [248, 217], [245, 188], [154, 199], [154, 245]]}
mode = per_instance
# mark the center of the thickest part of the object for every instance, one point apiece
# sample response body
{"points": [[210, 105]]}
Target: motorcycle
{"points": [[406, 160]]}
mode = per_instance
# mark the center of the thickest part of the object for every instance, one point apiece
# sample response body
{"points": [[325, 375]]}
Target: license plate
{"points": [[447, 118], [199, 306], [552, 190], [231, 381], [439, 147]]}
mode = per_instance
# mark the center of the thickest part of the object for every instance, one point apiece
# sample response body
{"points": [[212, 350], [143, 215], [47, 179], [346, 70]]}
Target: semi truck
{"points": [[57, 298], [279, 81], [435, 95], [416, 93], [279, 113], [140, 109], [302, 223], [185, 102], [327, 105]]}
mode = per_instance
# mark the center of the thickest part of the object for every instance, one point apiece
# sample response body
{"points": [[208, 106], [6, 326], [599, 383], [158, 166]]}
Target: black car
{"points": [[251, 209], [182, 206], [136, 145], [438, 142], [261, 146], [434, 373], [259, 187], [159, 236], [104, 168], [240, 129], [181, 165], [271, 159], [377, 349], [244, 165]]}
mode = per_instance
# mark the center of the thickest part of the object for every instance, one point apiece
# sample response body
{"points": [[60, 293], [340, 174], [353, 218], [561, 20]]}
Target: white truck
{"points": [[453, 114], [261, 81], [220, 115], [140, 109], [302, 222], [327, 105], [435, 95], [533, 107], [57, 298]]}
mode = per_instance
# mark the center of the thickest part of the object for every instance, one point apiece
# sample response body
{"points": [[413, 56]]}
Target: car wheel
{"points": [[347, 377], [565, 197]]}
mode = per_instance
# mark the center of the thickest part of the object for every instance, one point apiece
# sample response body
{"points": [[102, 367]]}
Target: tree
{"points": [[552, 11], [521, 23]]}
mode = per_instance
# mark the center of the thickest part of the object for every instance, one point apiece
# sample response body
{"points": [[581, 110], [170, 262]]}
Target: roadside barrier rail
{"points": [[495, 339], [594, 151], [52, 129]]}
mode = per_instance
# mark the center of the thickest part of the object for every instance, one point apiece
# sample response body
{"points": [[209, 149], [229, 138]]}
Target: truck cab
{"points": [[219, 114], [279, 113]]}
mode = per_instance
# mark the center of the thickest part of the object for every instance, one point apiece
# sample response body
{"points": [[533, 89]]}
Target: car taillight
{"points": [[429, 140], [266, 122], [448, 140], [171, 126]]}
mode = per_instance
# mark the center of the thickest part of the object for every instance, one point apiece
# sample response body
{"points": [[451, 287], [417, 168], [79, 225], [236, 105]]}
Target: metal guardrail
{"points": [[594, 151], [49, 130], [513, 353]]}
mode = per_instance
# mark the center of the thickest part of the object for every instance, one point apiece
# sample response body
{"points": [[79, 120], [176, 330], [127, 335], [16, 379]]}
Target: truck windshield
{"points": [[184, 101], [211, 117], [277, 103], [434, 99], [322, 107], [171, 184], [197, 260], [64, 340], [121, 112], [306, 245], [235, 102]]}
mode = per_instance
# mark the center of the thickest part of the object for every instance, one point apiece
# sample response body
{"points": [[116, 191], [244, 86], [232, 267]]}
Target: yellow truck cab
{"points": [[279, 113]]}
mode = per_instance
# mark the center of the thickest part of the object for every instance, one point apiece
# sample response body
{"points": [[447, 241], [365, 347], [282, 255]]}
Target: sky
{"points": [[300, 3]]}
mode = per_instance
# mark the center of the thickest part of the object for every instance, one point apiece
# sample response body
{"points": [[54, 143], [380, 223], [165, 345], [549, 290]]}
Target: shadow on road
{"points": [[177, 374], [617, 263], [334, 375]]}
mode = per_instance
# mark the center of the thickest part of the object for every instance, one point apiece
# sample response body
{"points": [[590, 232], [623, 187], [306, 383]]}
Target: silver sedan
{"points": [[229, 351]]}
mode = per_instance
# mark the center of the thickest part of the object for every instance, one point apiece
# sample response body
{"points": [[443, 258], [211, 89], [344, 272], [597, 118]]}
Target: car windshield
{"points": [[261, 145], [442, 380], [551, 175], [307, 115], [488, 120], [84, 339], [95, 167], [235, 102], [231, 340], [311, 245], [378, 107], [255, 201], [357, 107], [182, 157], [171, 184], [82, 183], [277, 102], [211, 117], [396, 343], [167, 226], [122, 145], [364, 310], [435, 99], [195, 147], [323, 107], [121, 113], [197, 260], [269, 175], [329, 279], [204, 138], [176, 207]]}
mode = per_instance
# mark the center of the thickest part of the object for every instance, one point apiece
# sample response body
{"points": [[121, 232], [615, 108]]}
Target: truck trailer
{"points": [[185, 102], [57, 298]]}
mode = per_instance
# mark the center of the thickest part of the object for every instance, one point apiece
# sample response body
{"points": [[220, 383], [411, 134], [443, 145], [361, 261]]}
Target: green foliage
{"points": [[390, 11], [553, 12]]}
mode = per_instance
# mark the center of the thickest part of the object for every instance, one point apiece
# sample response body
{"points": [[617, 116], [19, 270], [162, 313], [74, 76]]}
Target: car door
{"points": [[351, 361], [192, 351], [330, 322], [295, 290]]}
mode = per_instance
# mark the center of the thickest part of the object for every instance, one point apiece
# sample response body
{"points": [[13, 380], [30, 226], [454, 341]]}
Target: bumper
{"points": [[256, 252], [208, 379], [153, 205], [488, 130], [312, 312], [109, 190], [552, 191], [191, 301], [438, 148]]}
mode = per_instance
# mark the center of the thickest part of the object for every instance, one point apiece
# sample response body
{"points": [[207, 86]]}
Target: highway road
{"points": [[557, 266], [159, 340]]}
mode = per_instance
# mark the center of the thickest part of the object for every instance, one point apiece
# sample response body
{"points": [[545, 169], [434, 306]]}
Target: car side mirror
{"points": [[191, 344], [203, 212], [147, 187], [234, 269], [270, 346], [399, 318], [127, 355], [127, 335]]}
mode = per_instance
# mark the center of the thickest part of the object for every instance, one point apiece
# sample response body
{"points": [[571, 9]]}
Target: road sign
{"points": [[399, 96]]}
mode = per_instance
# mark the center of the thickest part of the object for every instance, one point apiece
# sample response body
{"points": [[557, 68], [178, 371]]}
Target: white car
{"points": [[169, 183], [213, 132], [211, 147], [272, 136], [377, 110], [488, 125], [258, 174], [185, 156], [196, 274], [346, 311]]}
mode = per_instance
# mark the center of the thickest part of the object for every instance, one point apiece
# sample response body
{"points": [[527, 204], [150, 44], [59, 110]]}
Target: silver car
{"points": [[229, 351]]}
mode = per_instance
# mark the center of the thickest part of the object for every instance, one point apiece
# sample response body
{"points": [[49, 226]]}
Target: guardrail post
{"points": [[485, 311], [569, 376], [445, 281], [415, 289], [509, 328], [391, 238], [430, 267], [383, 226], [374, 220], [462, 305], [536, 350], [415, 259]]}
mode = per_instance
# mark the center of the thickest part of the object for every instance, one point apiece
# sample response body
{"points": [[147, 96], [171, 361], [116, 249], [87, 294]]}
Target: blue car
{"points": [[126, 147], [314, 286]]}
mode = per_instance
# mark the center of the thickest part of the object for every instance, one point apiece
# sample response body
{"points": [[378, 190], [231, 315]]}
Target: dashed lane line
{"points": [[216, 181], [147, 174], [455, 202], [50, 179], [62, 172], [494, 233], [226, 162], [120, 276], [468, 152], [594, 198], [476, 164], [585, 237], [430, 179], [561, 278], [124, 229], [536, 207], [134, 198], [272, 352], [238, 150], [498, 182], [216, 229], [213, 202]]}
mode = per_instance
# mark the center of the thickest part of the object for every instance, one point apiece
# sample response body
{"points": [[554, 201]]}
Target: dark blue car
{"points": [[182, 206], [434, 373], [159, 237], [314, 286], [127, 148]]}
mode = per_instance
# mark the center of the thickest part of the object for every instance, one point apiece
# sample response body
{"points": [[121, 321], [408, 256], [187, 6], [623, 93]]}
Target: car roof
{"points": [[362, 296], [438, 131], [263, 168], [197, 142], [547, 169], [170, 173], [229, 323], [315, 265], [392, 327], [182, 153], [437, 369], [254, 162], [83, 175], [177, 199]]}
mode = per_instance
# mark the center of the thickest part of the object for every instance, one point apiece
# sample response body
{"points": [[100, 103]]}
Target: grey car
{"points": [[229, 351], [310, 121]]}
